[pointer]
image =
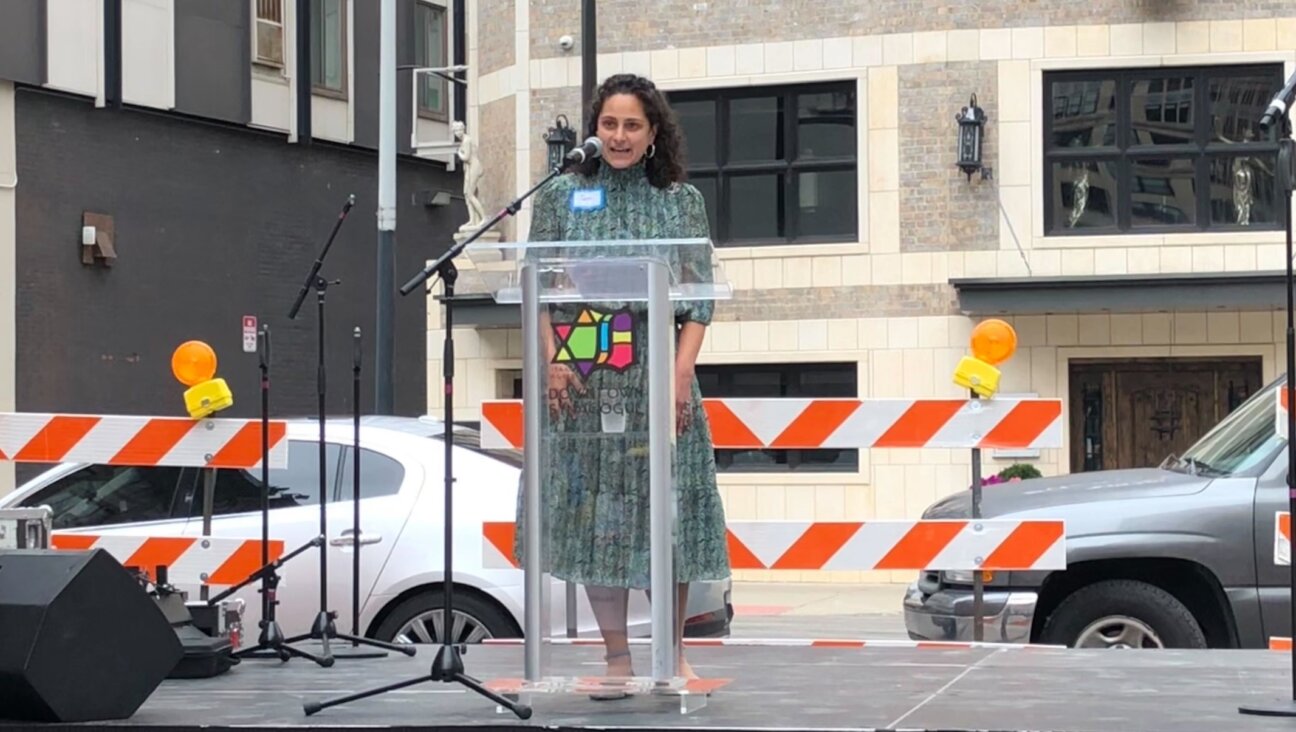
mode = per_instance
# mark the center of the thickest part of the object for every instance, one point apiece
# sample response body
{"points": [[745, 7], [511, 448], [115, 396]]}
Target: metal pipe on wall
{"points": [[589, 60], [303, 72], [384, 334]]}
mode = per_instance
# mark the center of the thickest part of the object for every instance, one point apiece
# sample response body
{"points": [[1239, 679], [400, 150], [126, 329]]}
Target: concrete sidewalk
{"points": [[801, 610], [796, 598]]}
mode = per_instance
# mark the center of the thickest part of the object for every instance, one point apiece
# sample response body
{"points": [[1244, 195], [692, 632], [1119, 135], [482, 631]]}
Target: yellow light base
{"points": [[977, 375], [207, 398]]}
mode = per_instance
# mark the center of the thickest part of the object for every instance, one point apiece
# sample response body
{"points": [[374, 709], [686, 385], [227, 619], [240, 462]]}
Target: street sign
{"points": [[249, 334]]}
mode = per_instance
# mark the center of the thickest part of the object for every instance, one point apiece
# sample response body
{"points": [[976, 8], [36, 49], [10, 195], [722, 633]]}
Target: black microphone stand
{"points": [[1286, 175], [448, 666], [324, 629], [356, 536], [271, 642]]}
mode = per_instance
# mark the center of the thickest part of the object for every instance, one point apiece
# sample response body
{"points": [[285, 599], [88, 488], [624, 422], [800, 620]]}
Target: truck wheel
{"points": [[1122, 614]]}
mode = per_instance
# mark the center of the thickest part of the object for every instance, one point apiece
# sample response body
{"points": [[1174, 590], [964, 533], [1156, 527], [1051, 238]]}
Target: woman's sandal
{"points": [[617, 693]]}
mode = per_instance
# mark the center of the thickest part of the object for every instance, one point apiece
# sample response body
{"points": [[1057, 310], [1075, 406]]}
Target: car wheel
{"points": [[1122, 614], [421, 619]]}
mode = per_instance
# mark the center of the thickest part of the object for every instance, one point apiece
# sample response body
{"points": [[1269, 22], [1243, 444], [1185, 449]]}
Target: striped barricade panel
{"points": [[1280, 413], [786, 643], [190, 560], [142, 441], [846, 423], [989, 544], [1282, 538]]}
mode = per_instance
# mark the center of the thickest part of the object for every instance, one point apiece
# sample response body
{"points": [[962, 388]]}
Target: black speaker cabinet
{"points": [[80, 639]]}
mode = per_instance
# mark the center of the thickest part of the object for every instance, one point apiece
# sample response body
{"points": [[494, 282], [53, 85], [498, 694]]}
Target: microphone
{"points": [[1281, 101], [593, 148]]}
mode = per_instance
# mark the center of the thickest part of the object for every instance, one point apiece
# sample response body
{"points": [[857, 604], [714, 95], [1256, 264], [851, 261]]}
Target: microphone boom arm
{"points": [[1280, 104], [458, 248], [319, 261]]}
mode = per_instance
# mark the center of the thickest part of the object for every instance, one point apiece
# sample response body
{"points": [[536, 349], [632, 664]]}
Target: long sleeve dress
{"points": [[595, 484]]}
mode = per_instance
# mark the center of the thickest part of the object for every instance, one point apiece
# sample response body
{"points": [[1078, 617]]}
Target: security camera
{"points": [[566, 43]]}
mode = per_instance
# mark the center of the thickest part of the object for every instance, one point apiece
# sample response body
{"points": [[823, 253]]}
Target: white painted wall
{"points": [[271, 101], [148, 53], [329, 118], [8, 265], [74, 43]]}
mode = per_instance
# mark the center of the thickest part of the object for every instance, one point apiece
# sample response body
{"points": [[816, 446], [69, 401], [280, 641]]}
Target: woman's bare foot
{"points": [[620, 665], [685, 670], [619, 668]]}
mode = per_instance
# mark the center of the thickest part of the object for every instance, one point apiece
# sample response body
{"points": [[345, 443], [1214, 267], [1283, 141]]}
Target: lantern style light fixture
{"points": [[971, 121], [560, 138]]}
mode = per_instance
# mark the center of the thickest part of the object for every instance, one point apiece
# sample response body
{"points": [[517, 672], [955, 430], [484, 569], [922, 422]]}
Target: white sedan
{"points": [[401, 511]]}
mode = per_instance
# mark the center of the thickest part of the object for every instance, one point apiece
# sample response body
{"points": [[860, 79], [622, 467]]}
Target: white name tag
{"points": [[587, 199]]}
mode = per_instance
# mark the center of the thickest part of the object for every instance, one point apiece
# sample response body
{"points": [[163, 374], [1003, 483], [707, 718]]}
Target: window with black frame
{"points": [[777, 165], [1156, 150], [748, 381], [430, 50], [328, 43]]}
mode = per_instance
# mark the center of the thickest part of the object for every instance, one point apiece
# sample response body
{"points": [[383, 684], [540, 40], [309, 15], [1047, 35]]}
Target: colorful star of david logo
{"points": [[597, 340]]}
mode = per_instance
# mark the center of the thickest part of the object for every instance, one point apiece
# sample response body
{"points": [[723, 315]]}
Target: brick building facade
{"points": [[1126, 210]]}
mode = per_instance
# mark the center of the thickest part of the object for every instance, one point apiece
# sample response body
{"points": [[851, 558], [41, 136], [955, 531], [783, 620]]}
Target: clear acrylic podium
{"points": [[598, 503]]}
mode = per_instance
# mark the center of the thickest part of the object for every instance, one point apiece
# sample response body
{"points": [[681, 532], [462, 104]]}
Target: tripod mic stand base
{"points": [[272, 644], [447, 667], [326, 632], [358, 654], [1273, 709]]}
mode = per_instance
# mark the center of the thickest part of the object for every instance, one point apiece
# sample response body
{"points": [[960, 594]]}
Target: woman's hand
{"points": [[562, 382], [683, 396]]}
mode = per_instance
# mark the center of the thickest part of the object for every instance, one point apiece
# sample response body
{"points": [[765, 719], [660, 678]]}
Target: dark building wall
{"points": [[213, 64], [212, 223], [22, 41]]}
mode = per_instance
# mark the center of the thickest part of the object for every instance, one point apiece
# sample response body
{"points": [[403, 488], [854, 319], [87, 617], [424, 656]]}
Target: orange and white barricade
{"points": [[759, 424], [788, 643], [938, 544], [1280, 412], [947, 545], [1282, 538], [1282, 519], [206, 443], [193, 560], [143, 441]]}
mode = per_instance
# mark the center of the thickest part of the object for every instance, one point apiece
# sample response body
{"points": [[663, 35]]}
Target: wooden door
{"points": [[1135, 413]]}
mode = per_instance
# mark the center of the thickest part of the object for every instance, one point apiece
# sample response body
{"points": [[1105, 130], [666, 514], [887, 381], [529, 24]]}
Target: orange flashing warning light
{"points": [[993, 342], [194, 364]]}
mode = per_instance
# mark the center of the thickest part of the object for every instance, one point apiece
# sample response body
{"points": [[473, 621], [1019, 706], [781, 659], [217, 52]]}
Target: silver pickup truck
{"points": [[1178, 556]]}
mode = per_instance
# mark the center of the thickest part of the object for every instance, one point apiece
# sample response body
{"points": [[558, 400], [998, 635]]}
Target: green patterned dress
{"points": [[595, 485]]}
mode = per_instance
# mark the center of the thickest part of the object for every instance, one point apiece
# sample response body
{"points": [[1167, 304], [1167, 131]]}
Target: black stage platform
{"points": [[796, 688]]}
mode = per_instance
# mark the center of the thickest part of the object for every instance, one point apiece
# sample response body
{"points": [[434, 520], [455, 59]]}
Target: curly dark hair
{"points": [[666, 166]]}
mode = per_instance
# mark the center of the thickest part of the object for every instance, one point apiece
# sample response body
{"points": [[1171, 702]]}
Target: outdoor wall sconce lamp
{"points": [[971, 121], [433, 199], [560, 138]]}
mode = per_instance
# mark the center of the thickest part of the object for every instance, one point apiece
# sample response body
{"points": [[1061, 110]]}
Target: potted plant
{"points": [[1012, 474]]}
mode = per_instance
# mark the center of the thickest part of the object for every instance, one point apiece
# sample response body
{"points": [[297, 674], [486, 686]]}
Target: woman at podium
{"points": [[596, 485]]}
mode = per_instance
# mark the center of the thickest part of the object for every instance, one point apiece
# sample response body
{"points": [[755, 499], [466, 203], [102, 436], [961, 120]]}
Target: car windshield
{"points": [[1246, 439]]}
